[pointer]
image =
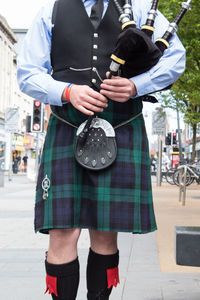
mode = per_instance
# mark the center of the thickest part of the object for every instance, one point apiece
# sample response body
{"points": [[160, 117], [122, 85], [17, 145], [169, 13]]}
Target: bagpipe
{"points": [[134, 54]]}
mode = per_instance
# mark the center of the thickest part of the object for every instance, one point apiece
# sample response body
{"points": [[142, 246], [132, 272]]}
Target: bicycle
{"points": [[169, 175], [191, 175]]}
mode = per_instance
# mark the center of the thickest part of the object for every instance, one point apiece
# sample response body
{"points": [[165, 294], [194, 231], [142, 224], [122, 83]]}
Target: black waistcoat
{"points": [[76, 44], [78, 51]]}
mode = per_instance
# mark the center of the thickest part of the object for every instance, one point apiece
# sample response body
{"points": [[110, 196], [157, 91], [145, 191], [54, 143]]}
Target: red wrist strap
{"points": [[67, 92]]}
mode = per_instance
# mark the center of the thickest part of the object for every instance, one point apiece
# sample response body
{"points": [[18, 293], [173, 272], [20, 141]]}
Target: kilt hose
{"points": [[118, 198]]}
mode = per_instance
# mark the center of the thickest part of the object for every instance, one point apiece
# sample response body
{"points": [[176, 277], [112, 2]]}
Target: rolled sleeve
{"points": [[55, 91], [143, 84]]}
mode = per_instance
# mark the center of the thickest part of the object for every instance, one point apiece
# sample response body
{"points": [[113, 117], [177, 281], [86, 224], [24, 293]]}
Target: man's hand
{"points": [[86, 100], [118, 88]]}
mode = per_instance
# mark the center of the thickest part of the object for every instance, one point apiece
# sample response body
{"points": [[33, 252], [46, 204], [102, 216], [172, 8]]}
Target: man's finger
{"points": [[115, 95], [108, 74], [93, 107], [117, 81], [85, 111], [119, 89], [95, 95], [96, 102]]}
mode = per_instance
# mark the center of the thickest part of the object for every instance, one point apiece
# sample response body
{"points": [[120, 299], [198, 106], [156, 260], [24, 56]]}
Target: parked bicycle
{"points": [[192, 173], [169, 175]]}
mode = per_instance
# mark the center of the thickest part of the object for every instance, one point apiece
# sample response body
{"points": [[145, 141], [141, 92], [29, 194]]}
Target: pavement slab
{"points": [[170, 213], [147, 266]]}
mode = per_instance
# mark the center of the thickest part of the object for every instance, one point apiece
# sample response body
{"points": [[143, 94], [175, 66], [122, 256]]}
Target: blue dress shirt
{"points": [[34, 65]]}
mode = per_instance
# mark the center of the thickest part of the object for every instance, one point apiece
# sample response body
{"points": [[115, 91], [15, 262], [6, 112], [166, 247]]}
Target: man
{"points": [[63, 58]]}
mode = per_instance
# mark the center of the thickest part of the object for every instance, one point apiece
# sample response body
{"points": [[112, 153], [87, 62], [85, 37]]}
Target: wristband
{"points": [[67, 92]]}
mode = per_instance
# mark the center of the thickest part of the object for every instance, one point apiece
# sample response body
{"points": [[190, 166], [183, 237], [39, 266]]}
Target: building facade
{"points": [[7, 58], [17, 142], [188, 142], [20, 141]]}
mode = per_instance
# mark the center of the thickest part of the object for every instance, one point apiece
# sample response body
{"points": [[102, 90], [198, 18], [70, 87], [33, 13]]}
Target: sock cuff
{"points": [[67, 269], [101, 260]]}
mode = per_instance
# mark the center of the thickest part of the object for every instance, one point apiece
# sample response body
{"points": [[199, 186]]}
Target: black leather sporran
{"points": [[98, 149]]}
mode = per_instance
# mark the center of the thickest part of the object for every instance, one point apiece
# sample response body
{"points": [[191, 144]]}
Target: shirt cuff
{"points": [[143, 84], [55, 91]]}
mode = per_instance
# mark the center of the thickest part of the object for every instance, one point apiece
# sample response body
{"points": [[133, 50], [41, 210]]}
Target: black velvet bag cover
{"points": [[138, 50]]}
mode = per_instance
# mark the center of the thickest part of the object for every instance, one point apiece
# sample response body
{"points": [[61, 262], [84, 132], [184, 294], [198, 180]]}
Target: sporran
{"points": [[96, 149]]}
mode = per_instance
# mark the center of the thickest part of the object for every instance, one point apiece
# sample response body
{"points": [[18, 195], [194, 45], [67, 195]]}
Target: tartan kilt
{"points": [[118, 198]]}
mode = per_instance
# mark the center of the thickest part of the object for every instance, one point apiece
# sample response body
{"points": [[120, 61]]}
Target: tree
{"points": [[185, 93]]}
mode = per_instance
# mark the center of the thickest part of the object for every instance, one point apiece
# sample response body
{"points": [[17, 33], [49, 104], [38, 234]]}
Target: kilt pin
{"points": [[118, 198]]}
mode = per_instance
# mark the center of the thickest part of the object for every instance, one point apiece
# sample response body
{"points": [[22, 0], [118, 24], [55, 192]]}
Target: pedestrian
{"points": [[19, 159], [25, 160], [63, 55], [153, 163], [165, 162], [15, 164]]}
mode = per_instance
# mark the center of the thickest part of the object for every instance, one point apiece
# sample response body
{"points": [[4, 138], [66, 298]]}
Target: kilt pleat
{"points": [[118, 198]]}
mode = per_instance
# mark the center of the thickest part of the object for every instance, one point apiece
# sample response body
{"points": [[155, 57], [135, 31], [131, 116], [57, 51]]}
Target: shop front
{"points": [[2, 146]]}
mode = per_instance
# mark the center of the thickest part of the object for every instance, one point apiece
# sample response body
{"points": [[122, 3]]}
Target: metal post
{"points": [[36, 155], [179, 138], [180, 175], [159, 168], [10, 164], [184, 186]]}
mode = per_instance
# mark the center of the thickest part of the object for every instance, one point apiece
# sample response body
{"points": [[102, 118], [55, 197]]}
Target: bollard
{"points": [[182, 185], [187, 245]]}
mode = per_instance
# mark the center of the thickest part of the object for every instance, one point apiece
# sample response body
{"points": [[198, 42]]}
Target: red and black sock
{"points": [[62, 280], [102, 275]]}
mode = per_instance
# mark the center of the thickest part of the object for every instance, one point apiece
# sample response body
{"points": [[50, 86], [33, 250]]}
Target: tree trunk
{"points": [[194, 128]]}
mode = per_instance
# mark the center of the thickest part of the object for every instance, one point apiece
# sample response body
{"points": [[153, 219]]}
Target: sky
{"points": [[20, 13]]}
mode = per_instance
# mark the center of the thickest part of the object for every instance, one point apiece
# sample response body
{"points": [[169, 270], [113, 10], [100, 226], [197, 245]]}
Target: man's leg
{"points": [[102, 268], [62, 264]]}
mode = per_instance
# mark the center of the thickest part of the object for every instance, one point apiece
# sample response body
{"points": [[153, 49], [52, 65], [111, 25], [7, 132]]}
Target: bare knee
{"points": [[63, 245], [62, 237], [103, 242]]}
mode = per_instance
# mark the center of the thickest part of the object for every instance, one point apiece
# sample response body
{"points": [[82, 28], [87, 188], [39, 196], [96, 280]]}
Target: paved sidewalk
{"points": [[170, 213], [22, 273]]}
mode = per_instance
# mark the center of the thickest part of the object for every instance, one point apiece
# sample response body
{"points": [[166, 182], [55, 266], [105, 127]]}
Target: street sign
{"points": [[159, 122], [11, 119]]}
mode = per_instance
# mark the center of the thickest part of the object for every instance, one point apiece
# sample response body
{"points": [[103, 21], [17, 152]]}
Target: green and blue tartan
{"points": [[118, 198]]}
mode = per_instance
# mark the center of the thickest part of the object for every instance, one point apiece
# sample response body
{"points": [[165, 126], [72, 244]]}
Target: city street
{"points": [[131, 71], [22, 274]]}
